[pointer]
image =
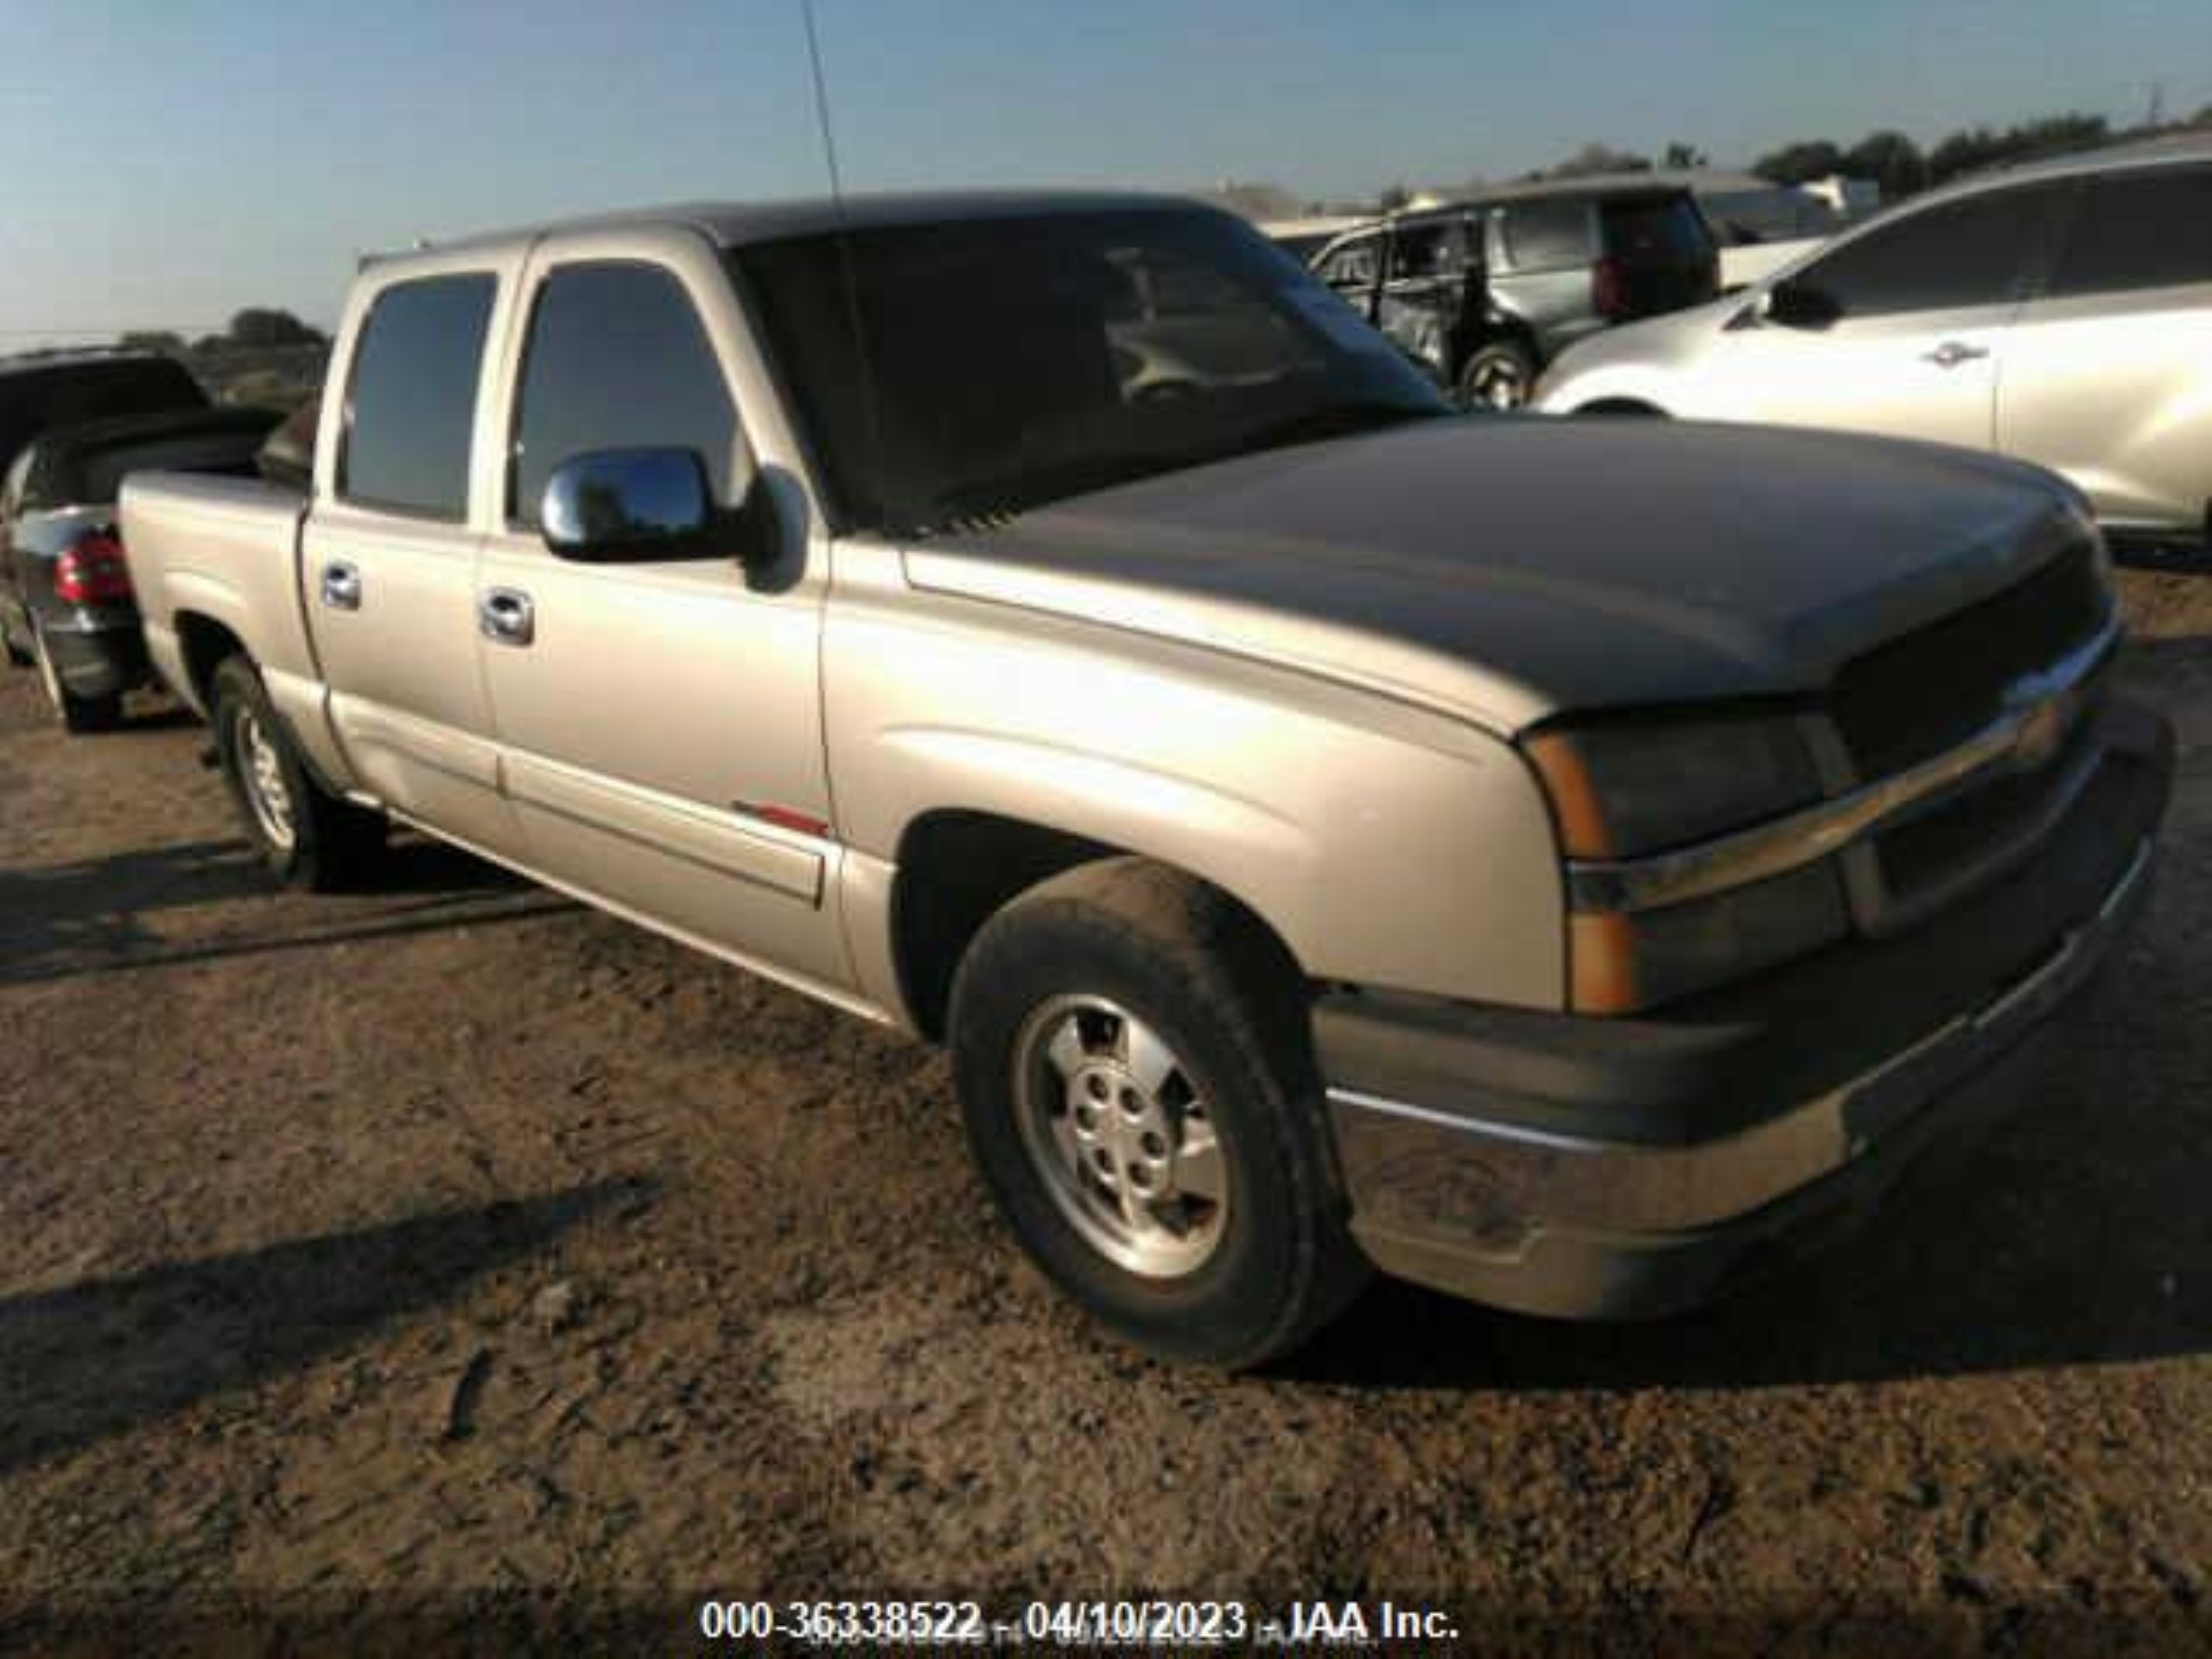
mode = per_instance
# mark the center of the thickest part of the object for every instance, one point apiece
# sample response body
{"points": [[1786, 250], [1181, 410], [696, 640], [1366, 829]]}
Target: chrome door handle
{"points": [[342, 585], [1952, 352], [506, 617]]}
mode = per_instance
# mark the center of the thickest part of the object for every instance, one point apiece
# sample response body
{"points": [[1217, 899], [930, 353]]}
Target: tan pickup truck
{"points": [[1568, 865]]}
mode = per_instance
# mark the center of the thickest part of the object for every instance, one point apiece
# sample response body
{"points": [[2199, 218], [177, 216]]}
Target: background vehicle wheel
{"points": [[1134, 1068], [18, 655], [310, 838], [1499, 376], [76, 714]]}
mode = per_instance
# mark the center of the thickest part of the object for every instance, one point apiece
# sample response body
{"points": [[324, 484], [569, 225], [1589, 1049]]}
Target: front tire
{"points": [[77, 714], [1501, 375], [309, 838], [1135, 1073]]}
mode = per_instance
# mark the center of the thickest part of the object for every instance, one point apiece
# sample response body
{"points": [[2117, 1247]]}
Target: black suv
{"points": [[1487, 292]]}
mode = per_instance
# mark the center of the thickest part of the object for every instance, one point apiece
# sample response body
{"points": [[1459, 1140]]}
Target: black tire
{"points": [[1223, 996], [333, 844], [77, 714], [1500, 375], [18, 655]]}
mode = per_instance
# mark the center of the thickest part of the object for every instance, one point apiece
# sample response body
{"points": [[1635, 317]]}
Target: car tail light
{"points": [[1609, 290], [92, 571]]}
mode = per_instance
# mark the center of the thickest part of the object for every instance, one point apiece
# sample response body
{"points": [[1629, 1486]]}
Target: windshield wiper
{"points": [[1016, 493]]}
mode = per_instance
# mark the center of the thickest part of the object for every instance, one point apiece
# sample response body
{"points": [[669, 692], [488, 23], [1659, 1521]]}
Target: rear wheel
{"points": [[309, 837], [76, 714], [1499, 376], [1135, 1073]]}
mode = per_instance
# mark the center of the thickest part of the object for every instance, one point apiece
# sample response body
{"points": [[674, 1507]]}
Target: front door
{"points": [[659, 722], [1907, 328]]}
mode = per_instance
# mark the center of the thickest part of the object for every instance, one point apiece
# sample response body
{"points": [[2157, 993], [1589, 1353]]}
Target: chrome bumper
{"points": [[1448, 1198]]}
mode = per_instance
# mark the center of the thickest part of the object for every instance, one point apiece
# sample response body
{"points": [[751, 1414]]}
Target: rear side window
{"points": [[411, 408], [1972, 253], [1548, 235], [617, 358], [2139, 230]]}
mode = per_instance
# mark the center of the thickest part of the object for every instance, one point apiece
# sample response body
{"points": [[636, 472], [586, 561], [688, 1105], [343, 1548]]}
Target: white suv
{"points": [[2060, 312]]}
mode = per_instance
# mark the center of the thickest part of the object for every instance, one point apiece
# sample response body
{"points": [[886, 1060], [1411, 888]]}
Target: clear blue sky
{"points": [[170, 161]]}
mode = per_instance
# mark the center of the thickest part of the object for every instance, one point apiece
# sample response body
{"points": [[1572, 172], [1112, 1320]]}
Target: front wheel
{"points": [[1135, 1073], [1499, 376], [309, 837]]}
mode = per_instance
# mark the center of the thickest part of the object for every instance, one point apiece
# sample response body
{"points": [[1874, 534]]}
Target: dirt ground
{"points": [[452, 1246]]}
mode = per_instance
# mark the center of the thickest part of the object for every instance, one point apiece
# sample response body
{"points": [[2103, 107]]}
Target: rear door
{"points": [[1541, 254], [1920, 305], [389, 551], [2105, 372], [659, 722]]}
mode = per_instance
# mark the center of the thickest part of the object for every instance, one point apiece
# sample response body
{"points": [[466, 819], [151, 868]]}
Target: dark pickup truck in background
{"points": [[65, 599]]}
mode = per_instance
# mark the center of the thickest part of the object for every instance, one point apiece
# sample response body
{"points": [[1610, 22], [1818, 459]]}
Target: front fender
{"points": [[1386, 845]]}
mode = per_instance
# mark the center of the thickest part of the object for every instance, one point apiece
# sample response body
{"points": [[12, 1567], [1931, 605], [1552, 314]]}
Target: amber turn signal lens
{"points": [[1601, 957], [1574, 796]]}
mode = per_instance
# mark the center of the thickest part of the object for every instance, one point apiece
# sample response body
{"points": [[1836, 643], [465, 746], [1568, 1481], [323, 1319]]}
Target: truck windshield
{"points": [[1016, 360]]}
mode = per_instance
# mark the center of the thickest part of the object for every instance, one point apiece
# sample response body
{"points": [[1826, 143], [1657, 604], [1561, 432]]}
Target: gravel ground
{"points": [[451, 1247]]}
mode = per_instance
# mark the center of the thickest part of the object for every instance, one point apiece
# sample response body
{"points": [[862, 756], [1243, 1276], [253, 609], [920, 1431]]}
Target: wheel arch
{"points": [[958, 867]]}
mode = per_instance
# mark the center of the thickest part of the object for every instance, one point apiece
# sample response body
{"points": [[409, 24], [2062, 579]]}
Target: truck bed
{"points": [[226, 550]]}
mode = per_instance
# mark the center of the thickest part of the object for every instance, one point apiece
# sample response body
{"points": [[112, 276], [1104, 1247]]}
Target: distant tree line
{"points": [[257, 328], [1901, 167]]}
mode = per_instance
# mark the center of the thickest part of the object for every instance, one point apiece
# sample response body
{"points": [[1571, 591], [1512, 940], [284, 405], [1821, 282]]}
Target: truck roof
{"points": [[735, 223]]}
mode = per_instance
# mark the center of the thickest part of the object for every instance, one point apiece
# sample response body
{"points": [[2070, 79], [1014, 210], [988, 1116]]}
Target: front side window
{"points": [[2152, 229], [411, 407], [1352, 266], [617, 358], [1968, 253]]}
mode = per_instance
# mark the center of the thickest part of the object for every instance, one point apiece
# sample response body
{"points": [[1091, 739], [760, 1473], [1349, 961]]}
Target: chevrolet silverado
{"points": [[1570, 866]]}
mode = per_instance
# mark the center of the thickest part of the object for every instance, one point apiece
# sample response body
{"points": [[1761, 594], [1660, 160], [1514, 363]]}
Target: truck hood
{"points": [[1508, 568]]}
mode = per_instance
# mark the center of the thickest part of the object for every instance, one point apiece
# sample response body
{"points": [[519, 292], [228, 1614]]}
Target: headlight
{"points": [[1622, 791]]}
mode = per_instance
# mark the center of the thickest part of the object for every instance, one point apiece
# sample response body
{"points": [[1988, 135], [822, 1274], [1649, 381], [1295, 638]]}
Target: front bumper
{"points": [[97, 653], [1586, 1167]]}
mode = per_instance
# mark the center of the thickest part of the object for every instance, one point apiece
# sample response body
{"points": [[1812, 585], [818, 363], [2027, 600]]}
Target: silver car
{"points": [[2060, 312]]}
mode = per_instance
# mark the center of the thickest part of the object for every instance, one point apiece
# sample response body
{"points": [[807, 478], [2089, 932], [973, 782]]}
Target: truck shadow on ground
{"points": [[97, 1359], [2058, 1247], [98, 915]]}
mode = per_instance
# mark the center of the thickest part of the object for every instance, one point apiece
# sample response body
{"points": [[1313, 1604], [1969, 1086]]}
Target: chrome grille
{"points": [[1930, 691]]}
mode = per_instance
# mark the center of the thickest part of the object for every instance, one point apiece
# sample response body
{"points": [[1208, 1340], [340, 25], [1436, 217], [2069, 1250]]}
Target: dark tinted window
{"points": [[617, 359], [1972, 253], [1548, 235], [1424, 250], [413, 397], [1655, 227], [2140, 229]]}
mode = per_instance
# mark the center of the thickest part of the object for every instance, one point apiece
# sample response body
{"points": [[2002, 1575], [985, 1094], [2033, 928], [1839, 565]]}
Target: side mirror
{"points": [[611, 505], [1801, 304]]}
